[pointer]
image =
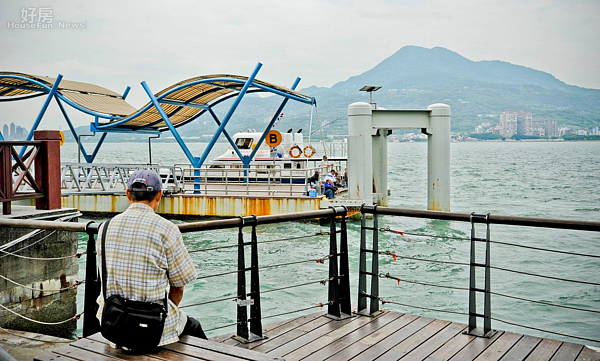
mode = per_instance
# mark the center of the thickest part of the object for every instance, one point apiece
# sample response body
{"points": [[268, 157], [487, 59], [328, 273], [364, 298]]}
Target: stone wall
{"points": [[41, 299]]}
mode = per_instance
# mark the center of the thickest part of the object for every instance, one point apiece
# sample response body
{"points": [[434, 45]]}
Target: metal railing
{"points": [[86, 177], [374, 298], [248, 328], [26, 177], [258, 180]]}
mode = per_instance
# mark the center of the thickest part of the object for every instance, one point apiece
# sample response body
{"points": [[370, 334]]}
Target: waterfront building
{"points": [[13, 130], [549, 125], [5, 132], [524, 123], [508, 123]]}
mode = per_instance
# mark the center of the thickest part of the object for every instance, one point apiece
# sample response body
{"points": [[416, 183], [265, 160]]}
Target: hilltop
{"points": [[415, 77]]}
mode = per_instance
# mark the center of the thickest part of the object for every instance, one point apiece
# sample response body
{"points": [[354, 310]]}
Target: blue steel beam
{"points": [[42, 111], [91, 157], [71, 127], [232, 109], [235, 147], [279, 110], [161, 111], [30, 96], [126, 92]]}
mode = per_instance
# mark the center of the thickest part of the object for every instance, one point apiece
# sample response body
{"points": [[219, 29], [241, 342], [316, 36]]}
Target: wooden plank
{"points": [[104, 348], [435, 342], [322, 323], [53, 357], [200, 353], [523, 348], [496, 350], [383, 346], [587, 354], [475, 347], [451, 348], [314, 340], [81, 354], [414, 340], [282, 328], [544, 350], [353, 337], [363, 344], [276, 328], [567, 352], [224, 349]]}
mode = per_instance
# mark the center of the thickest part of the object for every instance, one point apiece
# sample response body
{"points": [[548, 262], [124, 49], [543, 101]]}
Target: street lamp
{"points": [[370, 89]]}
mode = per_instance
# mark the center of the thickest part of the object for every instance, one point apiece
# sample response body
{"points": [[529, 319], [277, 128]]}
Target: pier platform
{"points": [[391, 336]]}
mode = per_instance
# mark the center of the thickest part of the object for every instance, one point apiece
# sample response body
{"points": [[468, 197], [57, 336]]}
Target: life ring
{"points": [[312, 151], [293, 154]]}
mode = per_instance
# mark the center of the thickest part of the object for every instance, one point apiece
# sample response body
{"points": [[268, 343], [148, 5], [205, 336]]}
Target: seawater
{"points": [[531, 179]]}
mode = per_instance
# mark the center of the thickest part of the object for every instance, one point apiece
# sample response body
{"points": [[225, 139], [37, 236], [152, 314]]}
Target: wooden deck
{"points": [[391, 336]]}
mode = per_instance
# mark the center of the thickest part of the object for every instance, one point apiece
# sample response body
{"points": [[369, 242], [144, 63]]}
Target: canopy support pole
{"points": [[42, 111], [232, 109], [167, 121]]}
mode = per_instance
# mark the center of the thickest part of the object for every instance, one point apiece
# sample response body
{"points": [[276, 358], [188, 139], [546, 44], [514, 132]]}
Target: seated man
{"points": [[330, 189], [145, 256]]}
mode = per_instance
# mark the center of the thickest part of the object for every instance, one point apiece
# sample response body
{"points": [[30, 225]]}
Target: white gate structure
{"points": [[367, 151]]}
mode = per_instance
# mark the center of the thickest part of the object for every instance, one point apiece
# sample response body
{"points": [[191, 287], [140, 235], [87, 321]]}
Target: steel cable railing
{"points": [[485, 219], [262, 242]]}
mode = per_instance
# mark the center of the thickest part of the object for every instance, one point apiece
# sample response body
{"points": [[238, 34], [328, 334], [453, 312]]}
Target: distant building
{"points": [[13, 130], [549, 125], [508, 123], [524, 120], [5, 132]]}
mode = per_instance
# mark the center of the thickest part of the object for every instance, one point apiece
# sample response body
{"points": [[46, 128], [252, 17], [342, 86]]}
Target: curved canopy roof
{"points": [[182, 102]]}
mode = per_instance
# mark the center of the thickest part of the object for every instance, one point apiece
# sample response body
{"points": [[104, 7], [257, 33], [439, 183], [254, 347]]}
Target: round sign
{"points": [[62, 138], [273, 138]]}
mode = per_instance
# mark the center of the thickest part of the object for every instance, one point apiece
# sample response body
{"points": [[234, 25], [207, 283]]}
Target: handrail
{"points": [[492, 219], [481, 263]]}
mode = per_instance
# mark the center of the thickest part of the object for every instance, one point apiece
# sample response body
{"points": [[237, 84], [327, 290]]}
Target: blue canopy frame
{"points": [[119, 123]]}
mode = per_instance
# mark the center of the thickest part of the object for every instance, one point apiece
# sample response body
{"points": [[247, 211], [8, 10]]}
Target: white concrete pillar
{"points": [[380, 165], [360, 166], [438, 158]]}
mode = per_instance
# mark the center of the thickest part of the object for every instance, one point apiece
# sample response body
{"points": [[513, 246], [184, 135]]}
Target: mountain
{"points": [[416, 77]]}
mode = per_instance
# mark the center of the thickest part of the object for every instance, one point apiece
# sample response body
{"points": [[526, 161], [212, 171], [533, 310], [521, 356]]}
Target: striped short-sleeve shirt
{"points": [[145, 255]]}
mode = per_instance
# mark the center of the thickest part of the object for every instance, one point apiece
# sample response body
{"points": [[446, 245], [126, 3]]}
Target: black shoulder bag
{"points": [[133, 324]]}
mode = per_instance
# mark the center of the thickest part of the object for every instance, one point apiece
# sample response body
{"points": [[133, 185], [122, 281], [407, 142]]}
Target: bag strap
{"points": [[102, 249]]}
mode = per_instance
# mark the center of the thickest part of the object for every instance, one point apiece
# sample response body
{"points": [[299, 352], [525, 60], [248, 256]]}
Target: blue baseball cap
{"points": [[144, 176]]}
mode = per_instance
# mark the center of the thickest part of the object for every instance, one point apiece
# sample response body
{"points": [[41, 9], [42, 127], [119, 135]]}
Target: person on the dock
{"points": [[330, 175], [325, 163], [314, 183], [145, 255], [330, 189]]}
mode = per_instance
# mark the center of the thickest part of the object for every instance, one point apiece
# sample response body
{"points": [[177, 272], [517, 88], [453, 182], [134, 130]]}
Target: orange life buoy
{"points": [[293, 154], [312, 151]]}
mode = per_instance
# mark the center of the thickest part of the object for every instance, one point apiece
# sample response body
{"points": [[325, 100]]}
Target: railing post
{"points": [[375, 266], [362, 278], [339, 306], [6, 176], [91, 325], [346, 303], [334, 306], [242, 311], [473, 289], [47, 169], [255, 311], [255, 333]]}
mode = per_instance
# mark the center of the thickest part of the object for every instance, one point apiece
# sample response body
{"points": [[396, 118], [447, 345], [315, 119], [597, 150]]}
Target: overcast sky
{"points": [[323, 42]]}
